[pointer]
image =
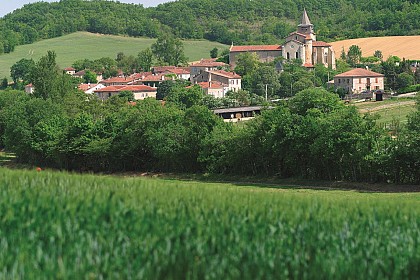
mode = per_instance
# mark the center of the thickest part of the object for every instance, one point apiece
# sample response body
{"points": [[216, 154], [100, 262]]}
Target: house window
{"points": [[288, 55], [296, 37], [297, 55], [326, 58], [348, 81], [360, 80], [376, 80]]}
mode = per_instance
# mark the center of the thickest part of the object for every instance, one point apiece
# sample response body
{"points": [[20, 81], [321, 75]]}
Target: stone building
{"points": [[359, 80], [301, 44]]}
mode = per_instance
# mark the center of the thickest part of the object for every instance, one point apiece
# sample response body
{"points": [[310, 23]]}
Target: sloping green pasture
{"points": [[57, 226], [81, 45]]}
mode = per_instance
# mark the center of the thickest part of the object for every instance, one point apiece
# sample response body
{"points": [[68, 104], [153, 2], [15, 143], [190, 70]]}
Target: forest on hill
{"points": [[237, 21]]}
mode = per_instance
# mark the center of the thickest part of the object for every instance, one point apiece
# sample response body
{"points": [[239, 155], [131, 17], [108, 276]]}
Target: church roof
{"points": [[255, 48], [320, 44], [305, 19]]}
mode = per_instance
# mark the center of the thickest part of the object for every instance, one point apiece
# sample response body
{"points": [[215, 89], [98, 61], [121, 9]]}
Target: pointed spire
{"points": [[305, 18]]}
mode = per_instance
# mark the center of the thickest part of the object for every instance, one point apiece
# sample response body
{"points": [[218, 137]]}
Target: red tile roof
{"points": [[120, 80], [178, 71], [85, 87], [161, 69], [359, 72], [155, 78], [320, 44], [230, 75], [208, 63], [212, 85], [133, 88], [255, 48], [69, 69]]}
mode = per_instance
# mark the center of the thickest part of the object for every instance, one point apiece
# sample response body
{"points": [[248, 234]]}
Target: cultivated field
{"points": [[60, 226], [402, 46], [83, 45]]}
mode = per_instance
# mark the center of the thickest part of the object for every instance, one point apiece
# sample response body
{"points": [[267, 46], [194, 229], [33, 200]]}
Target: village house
{"points": [[120, 81], [90, 88], [140, 91], [301, 44], [231, 80], [359, 80], [215, 88], [70, 71], [205, 65]]}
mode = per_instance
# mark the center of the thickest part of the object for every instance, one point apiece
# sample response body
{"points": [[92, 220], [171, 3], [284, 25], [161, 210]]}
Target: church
{"points": [[301, 44]]}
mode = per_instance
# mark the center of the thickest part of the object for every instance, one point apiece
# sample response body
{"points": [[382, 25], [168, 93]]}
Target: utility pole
{"points": [[266, 96]]}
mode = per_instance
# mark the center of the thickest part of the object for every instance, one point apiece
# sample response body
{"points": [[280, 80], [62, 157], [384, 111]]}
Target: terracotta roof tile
{"points": [[320, 44], [255, 48], [133, 88], [359, 72], [230, 75]]}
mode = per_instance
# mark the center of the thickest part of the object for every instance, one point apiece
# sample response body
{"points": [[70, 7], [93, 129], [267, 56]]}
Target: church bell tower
{"points": [[306, 27]]}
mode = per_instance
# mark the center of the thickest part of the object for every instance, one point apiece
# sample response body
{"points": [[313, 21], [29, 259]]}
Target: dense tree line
{"points": [[238, 21], [313, 135]]}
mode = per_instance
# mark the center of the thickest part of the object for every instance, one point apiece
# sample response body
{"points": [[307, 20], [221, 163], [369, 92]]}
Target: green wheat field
{"points": [[64, 226], [81, 45]]}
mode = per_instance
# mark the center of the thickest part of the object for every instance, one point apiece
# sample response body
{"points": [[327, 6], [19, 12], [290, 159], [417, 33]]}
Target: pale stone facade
{"points": [[301, 44]]}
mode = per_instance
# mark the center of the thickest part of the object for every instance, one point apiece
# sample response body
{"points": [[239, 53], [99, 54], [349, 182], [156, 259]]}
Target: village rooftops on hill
{"points": [[230, 75], [255, 48], [133, 88], [359, 72], [208, 63]]}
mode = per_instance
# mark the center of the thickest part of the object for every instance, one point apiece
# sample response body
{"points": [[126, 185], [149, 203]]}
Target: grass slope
{"points": [[56, 225], [82, 45], [402, 46], [389, 110]]}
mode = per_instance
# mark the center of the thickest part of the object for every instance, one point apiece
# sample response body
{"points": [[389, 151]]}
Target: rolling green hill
{"points": [[82, 45]]}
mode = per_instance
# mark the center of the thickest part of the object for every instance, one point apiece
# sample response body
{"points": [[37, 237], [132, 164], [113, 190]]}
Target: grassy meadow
{"points": [[58, 225], [389, 110], [81, 45]]}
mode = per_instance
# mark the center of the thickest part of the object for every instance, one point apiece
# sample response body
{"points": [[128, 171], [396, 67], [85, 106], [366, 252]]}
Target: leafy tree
{"points": [[45, 76], [264, 80], [404, 80], [145, 59], [127, 95], [4, 83], [21, 71], [214, 53], [354, 55], [247, 63], [89, 77], [378, 54], [169, 50], [165, 88]]}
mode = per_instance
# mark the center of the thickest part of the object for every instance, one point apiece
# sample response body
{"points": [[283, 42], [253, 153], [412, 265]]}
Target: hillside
{"points": [[239, 21], [402, 46], [82, 45]]}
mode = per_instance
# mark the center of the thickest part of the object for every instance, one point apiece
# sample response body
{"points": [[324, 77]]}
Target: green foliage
{"points": [[253, 22], [354, 55], [4, 83], [169, 50], [21, 71], [89, 77], [378, 54], [247, 62], [126, 95], [214, 53], [145, 59]]}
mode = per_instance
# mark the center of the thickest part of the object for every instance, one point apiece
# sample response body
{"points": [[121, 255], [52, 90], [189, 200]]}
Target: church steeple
{"points": [[305, 19], [306, 27]]}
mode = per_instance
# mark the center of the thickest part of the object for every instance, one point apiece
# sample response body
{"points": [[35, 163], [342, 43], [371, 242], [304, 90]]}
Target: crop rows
{"points": [[57, 225]]}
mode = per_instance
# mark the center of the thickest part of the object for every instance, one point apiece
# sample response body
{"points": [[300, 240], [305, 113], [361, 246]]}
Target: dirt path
{"points": [[387, 106]]}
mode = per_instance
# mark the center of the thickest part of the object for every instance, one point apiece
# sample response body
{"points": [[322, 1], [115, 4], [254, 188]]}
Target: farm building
{"points": [[359, 80]]}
